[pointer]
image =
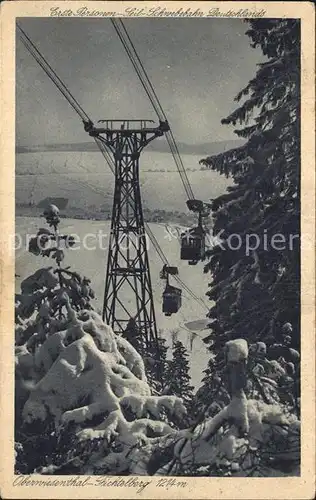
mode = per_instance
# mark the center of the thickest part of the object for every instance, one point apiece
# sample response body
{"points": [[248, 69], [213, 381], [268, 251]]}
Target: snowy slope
{"points": [[92, 263]]}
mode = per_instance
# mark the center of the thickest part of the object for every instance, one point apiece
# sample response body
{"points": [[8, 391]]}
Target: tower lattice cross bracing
{"points": [[128, 290]]}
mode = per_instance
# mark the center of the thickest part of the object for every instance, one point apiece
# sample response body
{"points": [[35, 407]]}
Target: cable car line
{"points": [[147, 85], [101, 145], [51, 73], [152, 237], [162, 116], [141, 72], [192, 242], [176, 277], [105, 153], [189, 291], [165, 262], [139, 68]]}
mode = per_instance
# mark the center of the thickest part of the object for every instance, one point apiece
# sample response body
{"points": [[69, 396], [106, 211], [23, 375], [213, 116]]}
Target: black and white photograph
{"points": [[157, 248]]}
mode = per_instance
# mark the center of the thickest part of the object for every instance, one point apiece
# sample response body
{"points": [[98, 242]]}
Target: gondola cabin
{"points": [[193, 245], [171, 300]]}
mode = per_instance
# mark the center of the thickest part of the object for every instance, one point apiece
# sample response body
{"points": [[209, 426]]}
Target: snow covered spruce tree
{"points": [[247, 435], [153, 352], [256, 265], [156, 364], [83, 402], [178, 376]]}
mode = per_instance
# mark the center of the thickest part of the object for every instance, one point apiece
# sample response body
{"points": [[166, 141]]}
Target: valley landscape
{"points": [[85, 180]]}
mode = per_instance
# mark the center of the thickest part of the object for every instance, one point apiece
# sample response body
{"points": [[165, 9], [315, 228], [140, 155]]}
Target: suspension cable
{"points": [[191, 293], [51, 73], [150, 91], [156, 245], [105, 153], [140, 67]]}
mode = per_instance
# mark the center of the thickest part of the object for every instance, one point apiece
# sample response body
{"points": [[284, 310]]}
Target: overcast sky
{"points": [[197, 67]]}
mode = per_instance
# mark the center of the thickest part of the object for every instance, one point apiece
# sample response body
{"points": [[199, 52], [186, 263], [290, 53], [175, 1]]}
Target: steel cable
{"points": [[151, 93], [51, 74]]}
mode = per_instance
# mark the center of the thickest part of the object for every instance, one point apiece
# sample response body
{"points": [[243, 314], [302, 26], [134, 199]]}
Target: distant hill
{"points": [[86, 181], [158, 146]]}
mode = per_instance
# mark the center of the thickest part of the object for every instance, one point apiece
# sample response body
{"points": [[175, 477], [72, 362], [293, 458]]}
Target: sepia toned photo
{"points": [[158, 245]]}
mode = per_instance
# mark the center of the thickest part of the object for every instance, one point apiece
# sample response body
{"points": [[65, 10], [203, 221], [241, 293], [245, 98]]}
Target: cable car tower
{"points": [[128, 291], [128, 295]]}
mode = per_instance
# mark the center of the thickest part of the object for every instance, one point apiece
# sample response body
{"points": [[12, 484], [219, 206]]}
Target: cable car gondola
{"points": [[172, 296], [172, 299], [193, 240], [193, 245]]}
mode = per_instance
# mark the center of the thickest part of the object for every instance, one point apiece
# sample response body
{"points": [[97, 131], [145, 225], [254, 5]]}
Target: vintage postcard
{"points": [[157, 250]]}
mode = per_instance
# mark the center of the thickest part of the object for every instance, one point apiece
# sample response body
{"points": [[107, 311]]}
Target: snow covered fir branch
{"points": [[91, 401], [84, 398]]}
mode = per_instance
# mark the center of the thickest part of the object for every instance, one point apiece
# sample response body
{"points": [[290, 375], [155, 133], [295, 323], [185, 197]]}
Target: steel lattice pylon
{"points": [[128, 290]]}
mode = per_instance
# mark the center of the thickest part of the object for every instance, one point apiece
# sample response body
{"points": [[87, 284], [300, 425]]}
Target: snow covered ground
{"points": [[86, 180], [92, 263]]}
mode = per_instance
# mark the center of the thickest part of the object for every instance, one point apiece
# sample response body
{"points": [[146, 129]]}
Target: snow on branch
{"points": [[96, 381], [241, 437]]}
